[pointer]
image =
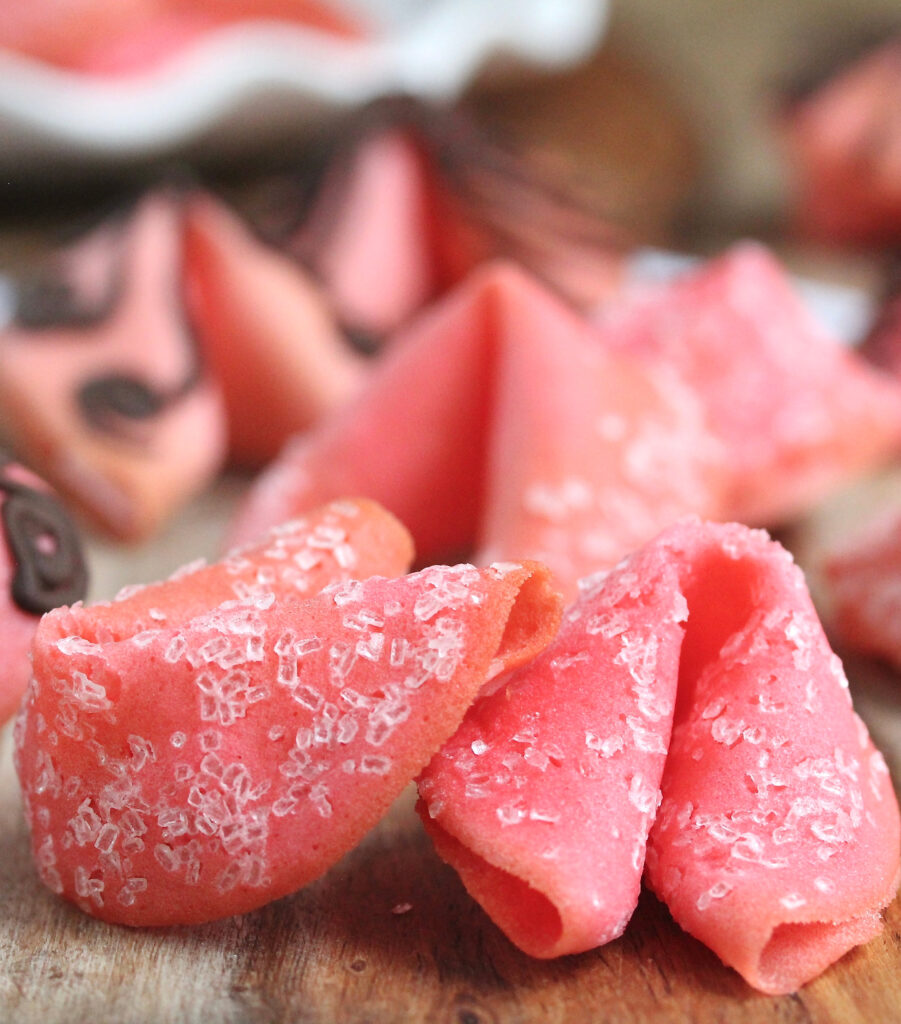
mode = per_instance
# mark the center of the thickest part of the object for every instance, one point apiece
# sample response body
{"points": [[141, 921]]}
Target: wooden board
{"points": [[389, 935]]}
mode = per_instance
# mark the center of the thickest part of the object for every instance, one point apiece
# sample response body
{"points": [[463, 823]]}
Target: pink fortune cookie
{"points": [[591, 451], [181, 765], [860, 592], [777, 841], [68, 33], [543, 798], [797, 412], [412, 439], [843, 148], [498, 420], [166, 29], [369, 235], [407, 199], [267, 330], [41, 567], [777, 837], [102, 387]]}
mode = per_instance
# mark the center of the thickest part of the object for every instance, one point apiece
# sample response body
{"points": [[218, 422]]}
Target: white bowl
{"points": [[238, 83]]}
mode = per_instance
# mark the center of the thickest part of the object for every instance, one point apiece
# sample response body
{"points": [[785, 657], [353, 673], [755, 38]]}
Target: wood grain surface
{"points": [[390, 934]]}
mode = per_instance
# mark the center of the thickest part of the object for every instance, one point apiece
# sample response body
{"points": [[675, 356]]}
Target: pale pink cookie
{"points": [[215, 760], [799, 413], [102, 386], [777, 841], [369, 235], [41, 567], [412, 439], [67, 35], [268, 331], [543, 798], [499, 421], [777, 838], [591, 451], [137, 37]]}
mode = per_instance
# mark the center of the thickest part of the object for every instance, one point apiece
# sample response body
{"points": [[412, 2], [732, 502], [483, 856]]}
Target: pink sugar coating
{"points": [[349, 538], [799, 413], [777, 838], [591, 452], [232, 750], [543, 798]]}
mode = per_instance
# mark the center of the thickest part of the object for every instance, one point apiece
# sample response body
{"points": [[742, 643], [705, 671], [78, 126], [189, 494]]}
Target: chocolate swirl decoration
{"points": [[367, 343], [287, 199], [44, 547]]}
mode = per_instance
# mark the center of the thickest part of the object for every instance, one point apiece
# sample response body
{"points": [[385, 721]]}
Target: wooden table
{"points": [[389, 935]]}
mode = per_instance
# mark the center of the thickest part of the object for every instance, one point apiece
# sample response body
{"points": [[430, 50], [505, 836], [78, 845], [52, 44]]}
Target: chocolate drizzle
{"points": [[48, 301], [365, 342], [523, 212], [44, 547], [112, 401], [48, 298], [120, 396]]}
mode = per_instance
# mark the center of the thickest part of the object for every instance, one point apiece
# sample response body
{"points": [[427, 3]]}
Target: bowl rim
{"points": [[433, 55]]}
